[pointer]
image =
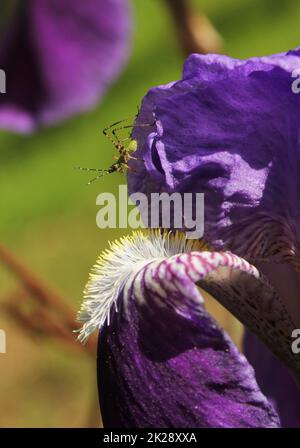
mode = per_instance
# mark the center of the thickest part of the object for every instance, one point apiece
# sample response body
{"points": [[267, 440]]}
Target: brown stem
{"points": [[196, 33], [56, 316], [31, 281]]}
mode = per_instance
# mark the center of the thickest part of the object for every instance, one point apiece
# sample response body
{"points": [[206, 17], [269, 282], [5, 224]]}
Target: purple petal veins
{"points": [[163, 361]]}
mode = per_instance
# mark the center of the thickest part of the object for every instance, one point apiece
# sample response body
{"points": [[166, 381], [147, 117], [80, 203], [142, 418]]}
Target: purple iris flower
{"points": [[59, 57], [230, 129], [163, 361]]}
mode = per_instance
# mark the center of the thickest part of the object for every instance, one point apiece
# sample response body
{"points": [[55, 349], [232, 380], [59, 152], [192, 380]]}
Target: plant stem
{"points": [[196, 33]]}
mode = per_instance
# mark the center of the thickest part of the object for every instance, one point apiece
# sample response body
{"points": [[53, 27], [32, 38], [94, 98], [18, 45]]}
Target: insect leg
{"points": [[87, 169], [130, 126], [117, 142], [113, 125], [134, 158], [120, 141], [141, 125], [98, 177]]}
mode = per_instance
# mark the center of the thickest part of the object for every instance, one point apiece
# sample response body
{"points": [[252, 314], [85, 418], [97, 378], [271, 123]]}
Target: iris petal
{"points": [[275, 381], [163, 361], [229, 129]]}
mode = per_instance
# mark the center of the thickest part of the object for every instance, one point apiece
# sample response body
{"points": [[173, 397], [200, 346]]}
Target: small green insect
{"points": [[125, 151]]}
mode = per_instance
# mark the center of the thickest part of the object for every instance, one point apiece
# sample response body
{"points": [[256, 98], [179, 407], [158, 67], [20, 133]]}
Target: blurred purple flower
{"points": [[230, 129], [163, 361], [60, 56]]}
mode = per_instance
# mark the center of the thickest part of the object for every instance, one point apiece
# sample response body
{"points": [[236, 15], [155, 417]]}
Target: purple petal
{"points": [[163, 361], [59, 57], [275, 381], [229, 129]]}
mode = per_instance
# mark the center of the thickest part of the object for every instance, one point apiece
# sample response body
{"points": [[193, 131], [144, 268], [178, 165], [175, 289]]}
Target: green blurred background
{"points": [[48, 213]]}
